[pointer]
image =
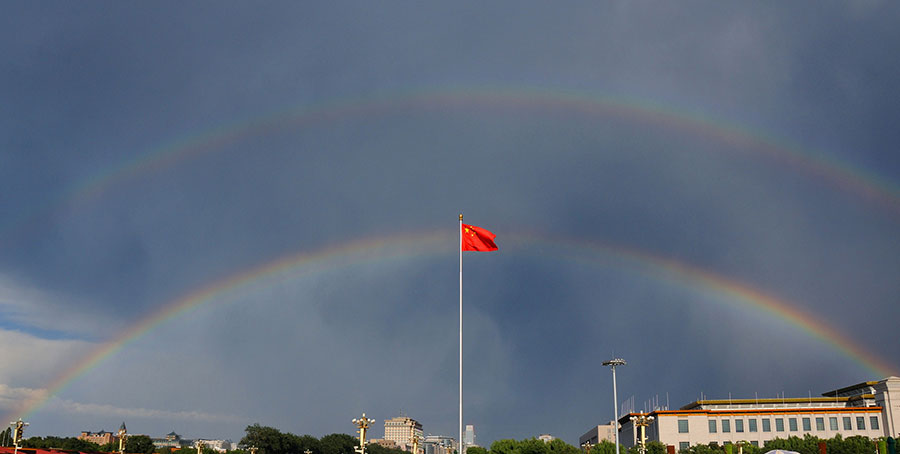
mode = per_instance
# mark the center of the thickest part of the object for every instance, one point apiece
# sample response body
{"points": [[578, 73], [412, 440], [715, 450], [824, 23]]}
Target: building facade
{"points": [[439, 444], [101, 438], [870, 409], [469, 435], [598, 434], [401, 431]]}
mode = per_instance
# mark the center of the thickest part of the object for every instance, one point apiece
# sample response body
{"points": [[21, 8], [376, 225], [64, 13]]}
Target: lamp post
{"points": [[18, 432], [363, 424], [612, 364], [642, 421]]}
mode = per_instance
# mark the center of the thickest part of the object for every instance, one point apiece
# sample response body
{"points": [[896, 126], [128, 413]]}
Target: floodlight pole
{"points": [[612, 364], [363, 424]]}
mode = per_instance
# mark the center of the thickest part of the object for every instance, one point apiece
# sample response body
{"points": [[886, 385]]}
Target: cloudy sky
{"points": [[220, 214]]}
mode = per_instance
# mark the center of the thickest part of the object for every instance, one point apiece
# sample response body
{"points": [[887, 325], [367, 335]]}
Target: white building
{"points": [[870, 409], [401, 430]]}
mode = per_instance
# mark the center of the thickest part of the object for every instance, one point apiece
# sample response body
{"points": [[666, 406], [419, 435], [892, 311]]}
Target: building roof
{"points": [[699, 404]]}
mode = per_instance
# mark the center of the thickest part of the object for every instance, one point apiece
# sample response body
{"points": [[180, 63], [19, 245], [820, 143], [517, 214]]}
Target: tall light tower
{"points": [[612, 364], [363, 424]]}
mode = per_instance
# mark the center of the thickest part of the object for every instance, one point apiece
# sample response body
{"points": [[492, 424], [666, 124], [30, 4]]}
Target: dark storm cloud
{"points": [[90, 87]]}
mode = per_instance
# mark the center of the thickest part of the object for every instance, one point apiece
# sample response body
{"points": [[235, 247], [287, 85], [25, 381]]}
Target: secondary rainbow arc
{"points": [[863, 183]]}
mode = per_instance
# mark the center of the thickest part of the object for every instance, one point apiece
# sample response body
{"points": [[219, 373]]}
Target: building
{"points": [[870, 409], [598, 434], [401, 431], [172, 440], [101, 438], [439, 444], [469, 435], [216, 445]]}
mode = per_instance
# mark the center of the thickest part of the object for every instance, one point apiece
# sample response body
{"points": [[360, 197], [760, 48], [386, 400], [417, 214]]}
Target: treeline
{"points": [[269, 440], [807, 445], [527, 446], [137, 444]]}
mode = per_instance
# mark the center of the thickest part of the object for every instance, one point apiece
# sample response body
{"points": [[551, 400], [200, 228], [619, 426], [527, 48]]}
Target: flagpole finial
{"points": [[460, 216]]}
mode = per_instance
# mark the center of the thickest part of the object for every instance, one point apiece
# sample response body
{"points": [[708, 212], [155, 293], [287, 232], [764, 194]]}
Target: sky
{"points": [[216, 214]]}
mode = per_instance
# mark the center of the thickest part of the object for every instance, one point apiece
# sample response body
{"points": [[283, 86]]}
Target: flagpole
{"points": [[462, 448]]}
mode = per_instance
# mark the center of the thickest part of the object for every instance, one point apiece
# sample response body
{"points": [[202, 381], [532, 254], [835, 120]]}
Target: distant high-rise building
{"points": [[401, 430], [469, 436]]}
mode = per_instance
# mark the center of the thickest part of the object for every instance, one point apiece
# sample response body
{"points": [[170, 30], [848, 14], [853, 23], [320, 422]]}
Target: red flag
{"points": [[477, 239]]}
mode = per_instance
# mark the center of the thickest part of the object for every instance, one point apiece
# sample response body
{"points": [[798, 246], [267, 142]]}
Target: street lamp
{"points": [[642, 421], [18, 432], [363, 424], [612, 364]]}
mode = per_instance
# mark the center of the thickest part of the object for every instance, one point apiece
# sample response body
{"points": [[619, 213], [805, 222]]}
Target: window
{"points": [[820, 423], [873, 422], [806, 425], [726, 425], [738, 425], [767, 425], [712, 426], [682, 426], [755, 443], [752, 423], [683, 445], [832, 423], [792, 423], [860, 423], [847, 425], [779, 425]]}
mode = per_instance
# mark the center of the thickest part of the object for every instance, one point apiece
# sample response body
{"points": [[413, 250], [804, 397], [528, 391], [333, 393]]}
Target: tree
{"points": [[558, 446], [702, 449], [604, 447], [533, 446], [139, 444], [505, 446], [337, 444], [67, 443], [477, 450], [268, 440]]}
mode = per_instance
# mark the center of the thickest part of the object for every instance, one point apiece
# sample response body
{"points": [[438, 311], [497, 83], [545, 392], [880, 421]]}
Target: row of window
{"points": [[686, 444], [752, 424]]}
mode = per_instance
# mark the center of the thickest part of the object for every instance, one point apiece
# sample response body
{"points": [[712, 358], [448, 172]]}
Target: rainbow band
{"points": [[415, 246], [841, 175]]}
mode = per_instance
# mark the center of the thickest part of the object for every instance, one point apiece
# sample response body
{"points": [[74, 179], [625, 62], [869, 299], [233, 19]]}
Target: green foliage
{"points": [[703, 449], [533, 446], [529, 446], [337, 444], [67, 443], [378, 449], [270, 440], [604, 447], [653, 447], [505, 446], [139, 444], [476, 450], [558, 446]]}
